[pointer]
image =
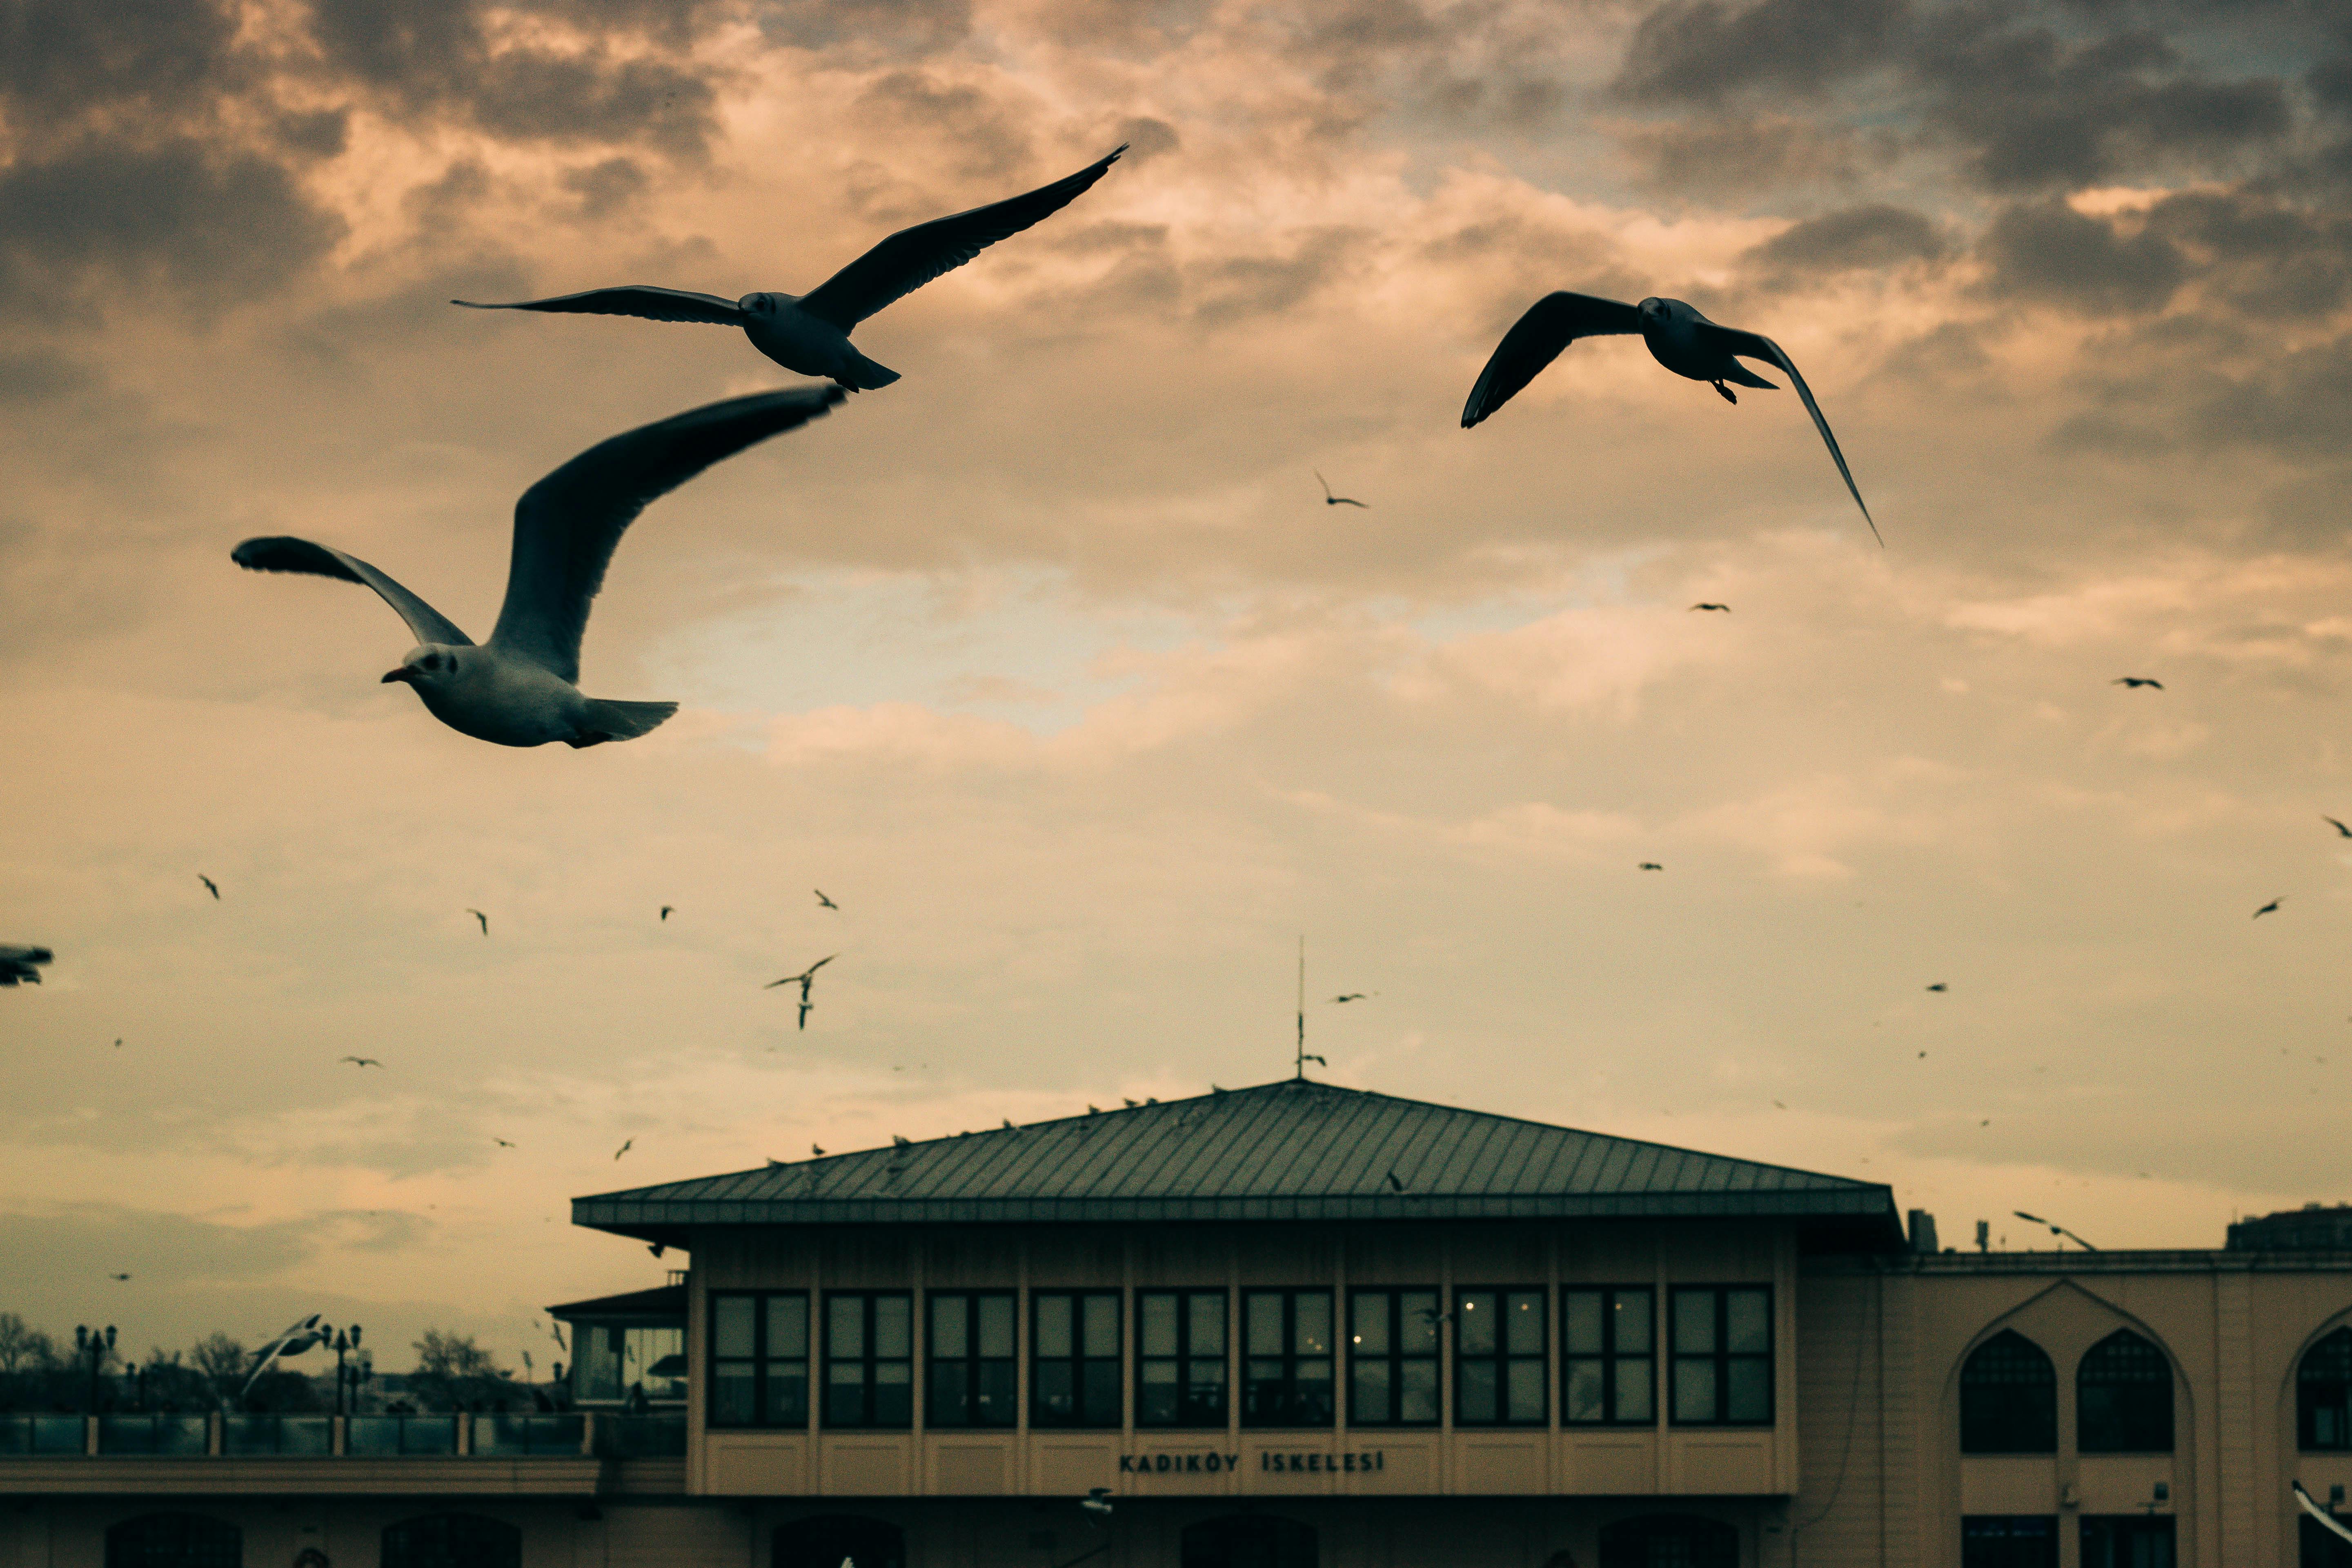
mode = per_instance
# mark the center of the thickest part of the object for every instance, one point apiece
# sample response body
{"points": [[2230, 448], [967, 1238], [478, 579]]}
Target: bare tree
{"points": [[452, 1371], [24, 1348], [223, 1361]]}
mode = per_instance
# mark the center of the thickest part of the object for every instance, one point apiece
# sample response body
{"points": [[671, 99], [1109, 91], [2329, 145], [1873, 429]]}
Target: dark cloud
{"points": [[1146, 138], [2047, 252], [606, 188], [1702, 50], [1237, 288], [869, 30], [2299, 404], [980, 137], [65, 66], [1872, 234], [2253, 255], [1739, 158], [33, 375]]}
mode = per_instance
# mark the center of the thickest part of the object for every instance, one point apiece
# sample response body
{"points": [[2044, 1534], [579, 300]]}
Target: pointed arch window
{"points": [[2322, 1396], [2009, 1398], [2123, 1397]]}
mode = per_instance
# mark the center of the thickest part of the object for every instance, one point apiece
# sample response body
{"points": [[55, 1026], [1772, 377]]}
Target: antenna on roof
{"points": [[1304, 1055]]}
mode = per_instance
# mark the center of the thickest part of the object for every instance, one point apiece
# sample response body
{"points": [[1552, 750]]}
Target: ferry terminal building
{"points": [[1300, 1326]]}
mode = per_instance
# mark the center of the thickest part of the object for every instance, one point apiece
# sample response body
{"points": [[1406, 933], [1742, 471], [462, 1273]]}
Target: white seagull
{"points": [[1678, 337], [519, 689], [810, 333]]}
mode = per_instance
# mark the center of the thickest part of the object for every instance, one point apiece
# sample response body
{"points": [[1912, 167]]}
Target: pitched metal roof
{"points": [[1294, 1150], [661, 1302]]}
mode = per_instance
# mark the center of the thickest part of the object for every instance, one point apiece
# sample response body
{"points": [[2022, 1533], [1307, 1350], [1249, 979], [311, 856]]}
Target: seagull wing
{"points": [[913, 256], [1756, 345], [284, 554], [637, 300], [1536, 340], [567, 525]]}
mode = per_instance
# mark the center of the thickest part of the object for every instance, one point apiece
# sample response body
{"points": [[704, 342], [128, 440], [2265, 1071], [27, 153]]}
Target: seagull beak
{"points": [[403, 673]]}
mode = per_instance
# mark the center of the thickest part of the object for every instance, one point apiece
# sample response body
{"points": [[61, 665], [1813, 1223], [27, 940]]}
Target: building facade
{"points": [[1298, 1326]]}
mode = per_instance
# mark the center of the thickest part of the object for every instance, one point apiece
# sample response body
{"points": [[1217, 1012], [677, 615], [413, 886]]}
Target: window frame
{"points": [[1966, 1446], [975, 1364], [1290, 1358], [1608, 1358], [2119, 1411], [870, 1359], [1722, 1357], [1502, 1357], [1393, 1299], [2336, 1344], [1187, 1417], [1077, 1360], [759, 1361]]}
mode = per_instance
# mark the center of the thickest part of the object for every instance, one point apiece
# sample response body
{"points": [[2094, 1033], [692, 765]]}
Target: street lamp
{"points": [[346, 1340], [95, 1344]]}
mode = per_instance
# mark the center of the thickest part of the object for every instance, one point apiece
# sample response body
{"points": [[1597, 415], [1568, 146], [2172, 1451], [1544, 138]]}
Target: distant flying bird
{"points": [[483, 917], [824, 902], [1353, 997], [502, 1143], [626, 1145], [2266, 908], [210, 886], [1649, 866], [2341, 831], [1331, 499], [520, 688], [1939, 986], [118, 1277], [666, 911], [118, 1042], [2134, 682], [22, 965], [360, 1061], [806, 979], [1725, 609], [1678, 338], [1777, 1106], [810, 333]]}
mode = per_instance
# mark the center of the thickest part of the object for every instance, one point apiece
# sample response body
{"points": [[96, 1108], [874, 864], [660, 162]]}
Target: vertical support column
{"points": [[2235, 1449], [1901, 1504], [1024, 1370], [1342, 1361]]}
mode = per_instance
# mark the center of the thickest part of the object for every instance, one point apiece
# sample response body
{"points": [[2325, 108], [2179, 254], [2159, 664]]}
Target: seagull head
{"points": [[430, 665], [758, 304], [1656, 312]]}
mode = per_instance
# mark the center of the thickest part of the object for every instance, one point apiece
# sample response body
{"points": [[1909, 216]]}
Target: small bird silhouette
{"points": [[210, 886], [2134, 682], [2341, 831], [1724, 609], [1303, 1057], [2266, 908], [667, 909], [805, 979], [118, 1277], [626, 1145], [1353, 995], [483, 917], [898, 1143], [1939, 986], [1131, 1104], [655, 1248], [816, 1150], [1395, 1185], [1650, 865], [1777, 1106], [1331, 499], [118, 1042], [824, 902], [361, 1061], [502, 1143], [1009, 1127]]}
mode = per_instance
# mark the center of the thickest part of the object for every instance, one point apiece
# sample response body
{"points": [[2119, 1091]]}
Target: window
{"points": [[1669, 1540], [1246, 1541], [1074, 1364], [2009, 1398], [2123, 1397], [1287, 1373], [610, 1359], [1179, 1361], [2322, 1396], [173, 1540], [974, 1375], [1607, 1342], [759, 1359], [869, 1369], [2127, 1541], [2319, 1546], [452, 1541], [1498, 1358], [1392, 1358], [829, 1540], [1723, 1355], [2008, 1541]]}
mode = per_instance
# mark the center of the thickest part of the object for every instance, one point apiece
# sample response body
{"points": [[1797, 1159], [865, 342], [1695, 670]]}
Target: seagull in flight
{"points": [[805, 979], [22, 965], [1939, 986], [118, 1277], [626, 1145], [210, 886], [810, 333], [666, 911], [1649, 866], [1352, 997], [1724, 609], [1678, 337], [2268, 908], [519, 689], [1331, 499], [2134, 682], [483, 917], [360, 1061], [824, 902], [2341, 831], [502, 1143]]}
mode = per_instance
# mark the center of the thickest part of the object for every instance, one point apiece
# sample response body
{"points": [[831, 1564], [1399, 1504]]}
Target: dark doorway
{"points": [[452, 1541], [1248, 1541], [2322, 1547], [1669, 1540], [826, 1540], [174, 1541], [2008, 1541], [2127, 1541]]}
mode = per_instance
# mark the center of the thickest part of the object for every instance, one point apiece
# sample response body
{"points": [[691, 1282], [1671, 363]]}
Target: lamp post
{"points": [[346, 1340], [94, 1343]]}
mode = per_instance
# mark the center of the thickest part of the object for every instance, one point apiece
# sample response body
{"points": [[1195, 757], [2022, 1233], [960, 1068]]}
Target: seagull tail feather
{"points": [[865, 375], [620, 721]]}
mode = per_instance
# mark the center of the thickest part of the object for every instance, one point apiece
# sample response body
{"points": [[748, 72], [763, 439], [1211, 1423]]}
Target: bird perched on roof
{"points": [[1723, 609], [898, 1143], [22, 965], [816, 1150], [806, 979], [810, 333], [210, 886], [1395, 1183], [1009, 1127], [520, 688], [1331, 499], [2134, 682], [483, 917], [2268, 908], [1677, 336]]}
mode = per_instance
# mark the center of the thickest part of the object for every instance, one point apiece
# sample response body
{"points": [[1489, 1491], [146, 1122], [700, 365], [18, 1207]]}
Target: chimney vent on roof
{"points": [[1922, 1231]]}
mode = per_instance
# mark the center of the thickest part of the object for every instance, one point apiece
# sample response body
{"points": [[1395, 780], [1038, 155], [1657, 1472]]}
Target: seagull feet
{"points": [[1728, 395]]}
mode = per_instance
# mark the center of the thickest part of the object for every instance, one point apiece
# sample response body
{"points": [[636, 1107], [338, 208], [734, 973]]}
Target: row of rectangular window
{"points": [[1719, 1358]]}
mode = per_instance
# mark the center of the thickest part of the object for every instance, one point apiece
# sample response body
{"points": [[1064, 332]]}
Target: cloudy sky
{"points": [[1050, 666]]}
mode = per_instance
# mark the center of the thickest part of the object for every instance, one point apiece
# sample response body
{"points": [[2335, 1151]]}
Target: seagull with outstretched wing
{"points": [[520, 688], [1678, 338], [1331, 499], [210, 886], [483, 917], [360, 1061], [2134, 682], [22, 965], [810, 333], [2341, 831]]}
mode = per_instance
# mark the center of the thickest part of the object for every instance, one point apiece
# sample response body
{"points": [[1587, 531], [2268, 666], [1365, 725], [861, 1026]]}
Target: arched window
{"points": [[2123, 1397], [1248, 1541], [2009, 1398], [827, 1539], [174, 1541], [1669, 1540], [2323, 1394], [452, 1541]]}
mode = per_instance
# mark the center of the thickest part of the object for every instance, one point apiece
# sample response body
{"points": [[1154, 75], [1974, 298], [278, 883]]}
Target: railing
{"points": [[520, 1437], [246, 1437], [640, 1436], [62, 1435], [179, 1436], [378, 1436]]}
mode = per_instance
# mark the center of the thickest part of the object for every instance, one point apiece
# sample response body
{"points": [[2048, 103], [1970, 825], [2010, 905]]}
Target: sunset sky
{"points": [[1051, 667]]}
